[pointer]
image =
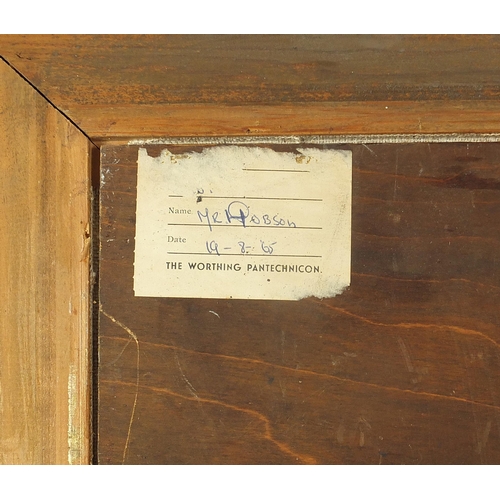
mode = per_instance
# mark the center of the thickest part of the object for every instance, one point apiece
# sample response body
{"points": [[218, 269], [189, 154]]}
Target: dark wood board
{"points": [[118, 86], [402, 368], [256, 69]]}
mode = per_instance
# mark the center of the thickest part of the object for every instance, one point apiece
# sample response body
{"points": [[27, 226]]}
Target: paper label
{"points": [[243, 223]]}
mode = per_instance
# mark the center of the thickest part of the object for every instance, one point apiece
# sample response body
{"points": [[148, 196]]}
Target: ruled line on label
{"points": [[243, 227], [214, 254], [203, 196], [275, 170], [257, 198]]}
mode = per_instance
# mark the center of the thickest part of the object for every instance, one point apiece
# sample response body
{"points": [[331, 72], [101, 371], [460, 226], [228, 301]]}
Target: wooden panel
{"points": [[136, 86], [403, 367], [117, 87], [44, 262]]}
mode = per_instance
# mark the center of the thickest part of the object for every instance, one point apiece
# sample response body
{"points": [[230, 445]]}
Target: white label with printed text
{"points": [[243, 223]]}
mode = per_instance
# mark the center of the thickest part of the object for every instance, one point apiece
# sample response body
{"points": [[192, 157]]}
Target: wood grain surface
{"points": [[116, 86], [402, 368], [44, 264]]}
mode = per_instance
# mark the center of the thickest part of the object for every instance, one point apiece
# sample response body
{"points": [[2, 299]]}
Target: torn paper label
{"points": [[243, 223]]}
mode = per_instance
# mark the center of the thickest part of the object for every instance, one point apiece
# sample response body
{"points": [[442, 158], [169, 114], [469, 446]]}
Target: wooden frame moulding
{"points": [[121, 88], [44, 261]]}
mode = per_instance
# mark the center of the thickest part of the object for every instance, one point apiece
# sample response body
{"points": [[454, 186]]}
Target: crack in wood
{"points": [[134, 406]]}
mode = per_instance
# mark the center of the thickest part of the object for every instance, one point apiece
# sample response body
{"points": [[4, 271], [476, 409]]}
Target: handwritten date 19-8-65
{"points": [[239, 213], [243, 248]]}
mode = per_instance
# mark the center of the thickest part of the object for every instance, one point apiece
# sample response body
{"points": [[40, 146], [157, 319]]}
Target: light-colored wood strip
{"points": [[44, 297], [403, 117]]}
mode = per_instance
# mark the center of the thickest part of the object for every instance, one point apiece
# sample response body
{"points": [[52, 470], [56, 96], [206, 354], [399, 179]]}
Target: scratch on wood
{"points": [[406, 355], [307, 459], [120, 354], [363, 425], [396, 176], [340, 433], [133, 336], [283, 339], [283, 389], [369, 149], [481, 444], [74, 444], [214, 313], [191, 389]]}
